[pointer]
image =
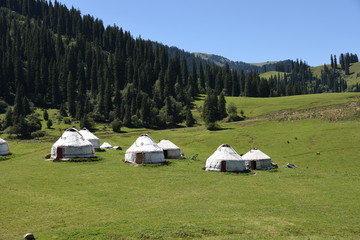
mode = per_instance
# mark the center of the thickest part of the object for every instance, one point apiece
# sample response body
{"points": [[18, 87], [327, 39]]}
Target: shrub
{"points": [[234, 118], [67, 120], [3, 106], [116, 125], [87, 122], [46, 115], [212, 126], [135, 121], [49, 123], [38, 134]]}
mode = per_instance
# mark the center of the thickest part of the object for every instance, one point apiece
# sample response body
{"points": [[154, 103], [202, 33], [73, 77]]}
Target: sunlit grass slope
{"points": [[254, 107], [351, 79], [109, 199], [269, 74]]}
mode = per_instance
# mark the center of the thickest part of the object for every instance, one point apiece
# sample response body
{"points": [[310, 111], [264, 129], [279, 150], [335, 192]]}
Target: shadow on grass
{"points": [[166, 163], [6, 157], [220, 129], [242, 173], [81, 160]]}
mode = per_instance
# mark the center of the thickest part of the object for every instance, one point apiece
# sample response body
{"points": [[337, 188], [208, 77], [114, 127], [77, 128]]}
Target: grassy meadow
{"points": [[352, 79], [109, 199]]}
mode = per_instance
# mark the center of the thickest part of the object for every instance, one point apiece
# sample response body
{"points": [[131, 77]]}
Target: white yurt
{"points": [[170, 149], [106, 145], [90, 137], [4, 147], [256, 159], [144, 150], [225, 159], [72, 145]]}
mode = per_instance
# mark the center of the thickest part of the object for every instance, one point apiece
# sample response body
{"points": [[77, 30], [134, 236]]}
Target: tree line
{"points": [[53, 57]]}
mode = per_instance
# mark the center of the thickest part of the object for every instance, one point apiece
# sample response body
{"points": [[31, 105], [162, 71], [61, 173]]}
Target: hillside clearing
{"points": [[109, 199]]}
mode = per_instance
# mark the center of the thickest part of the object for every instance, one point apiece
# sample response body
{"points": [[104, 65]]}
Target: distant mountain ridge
{"points": [[239, 65]]}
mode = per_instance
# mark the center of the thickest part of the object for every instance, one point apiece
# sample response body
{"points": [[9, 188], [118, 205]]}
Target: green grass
{"points": [[269, 74], [255, 107], [354, 76], [109, 199]]}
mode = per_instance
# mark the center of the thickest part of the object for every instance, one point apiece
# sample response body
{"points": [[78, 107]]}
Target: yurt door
{"points": [[223, 166], [166, 153], [59, 154], [253, 164], [139, 158]]}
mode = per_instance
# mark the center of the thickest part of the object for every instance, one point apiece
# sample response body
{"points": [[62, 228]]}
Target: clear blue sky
{"points": [[241, 30]]}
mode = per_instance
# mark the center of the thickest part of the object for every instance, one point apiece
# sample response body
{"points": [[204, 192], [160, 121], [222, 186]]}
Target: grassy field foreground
{"points": [[109, 199]]}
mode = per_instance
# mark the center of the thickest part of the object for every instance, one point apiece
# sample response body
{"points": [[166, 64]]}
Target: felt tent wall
{"points": [[225, 159], [4, 147], [170, 149], [72, 145], [144, 150]]}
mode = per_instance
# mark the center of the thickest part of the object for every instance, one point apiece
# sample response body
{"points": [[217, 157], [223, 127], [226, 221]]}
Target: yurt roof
{"points": [[105, 145], [87, 134], [72, 137], [167, 144], [144, 143], [225, 152], [2, 141], [255, 154]]}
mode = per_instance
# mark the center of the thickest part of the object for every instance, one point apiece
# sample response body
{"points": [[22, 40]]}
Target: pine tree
{"points": [[347, 64], [18, 106], [145, 111], [71, 95], [210, 107], [342, 61], [8, 121], [221, 107], [49, 123], [332, 61], [189, 121], [263, 88]]}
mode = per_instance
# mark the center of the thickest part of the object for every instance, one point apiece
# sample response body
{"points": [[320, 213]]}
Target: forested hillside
{"points": [[54, 57]]}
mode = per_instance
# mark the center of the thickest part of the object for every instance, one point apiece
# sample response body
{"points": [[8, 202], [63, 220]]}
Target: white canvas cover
{"points": [[225, 159], [144, 150], [90, 137], [4, 147], [105, 145], [170, 149], [73, 145], [256, 159]]}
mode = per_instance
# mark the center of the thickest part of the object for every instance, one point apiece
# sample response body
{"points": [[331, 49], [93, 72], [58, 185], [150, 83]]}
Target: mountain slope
{"points": [[247, 67]]}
